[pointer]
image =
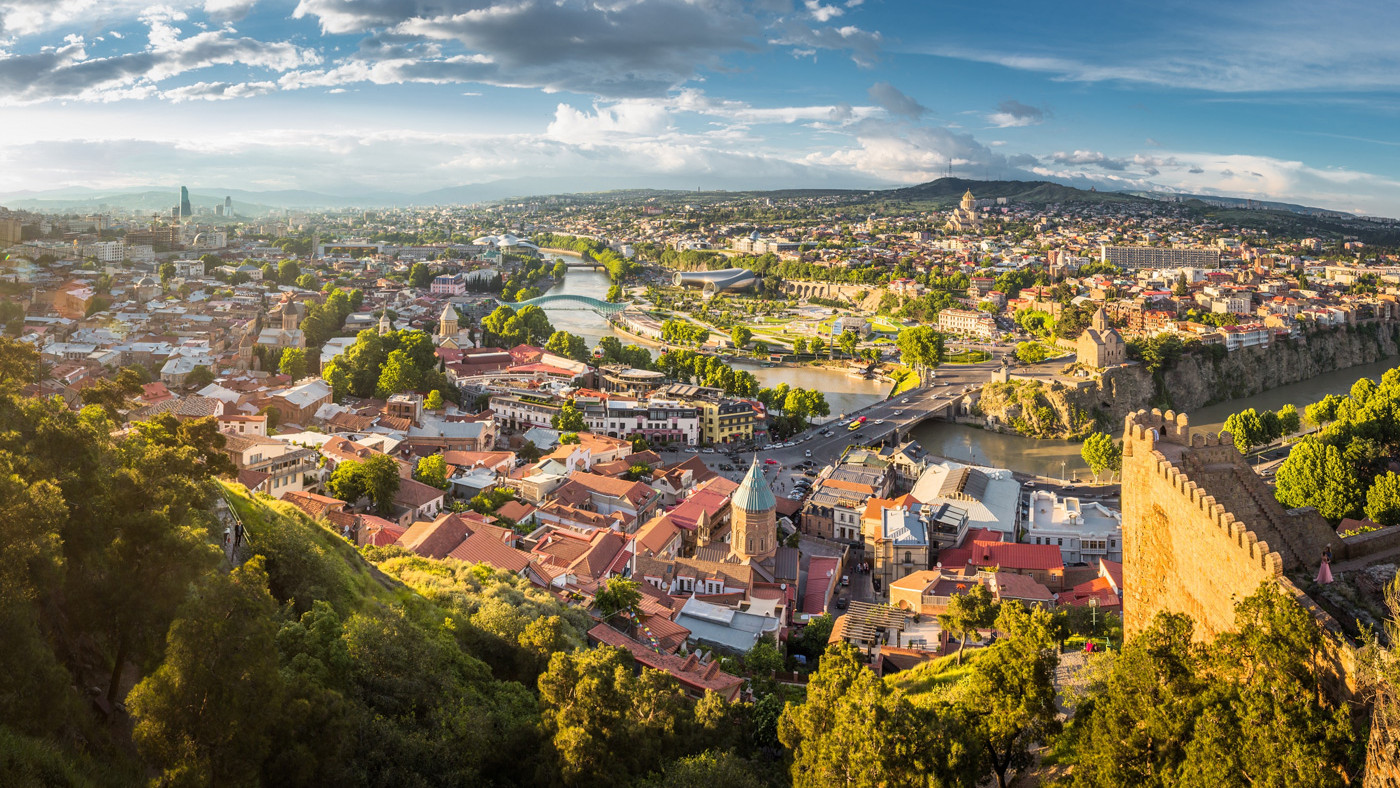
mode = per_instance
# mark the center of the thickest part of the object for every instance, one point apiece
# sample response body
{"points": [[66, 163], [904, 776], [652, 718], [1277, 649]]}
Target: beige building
{"points": [[1101, 345], [965, 218], [967, 323]]}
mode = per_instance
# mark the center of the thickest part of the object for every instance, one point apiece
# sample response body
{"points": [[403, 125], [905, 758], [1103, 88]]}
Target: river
{"points": [[845, 394], [1058, 458], [576, 319]]}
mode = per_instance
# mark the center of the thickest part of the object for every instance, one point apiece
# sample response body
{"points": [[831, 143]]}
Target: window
{"points": [[908, 557], [1060, 542]]}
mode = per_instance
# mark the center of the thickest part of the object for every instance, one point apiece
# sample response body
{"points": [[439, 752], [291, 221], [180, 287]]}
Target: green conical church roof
{"points": [[754, 494]]}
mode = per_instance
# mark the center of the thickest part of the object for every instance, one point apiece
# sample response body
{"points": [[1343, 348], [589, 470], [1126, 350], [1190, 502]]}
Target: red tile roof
{"points": [[1006, 555], [821, 573], [482, 548], [438, 538], [692, 675]]}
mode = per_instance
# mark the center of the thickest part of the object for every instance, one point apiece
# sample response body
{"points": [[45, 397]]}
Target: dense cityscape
{"points": [[699, 394], [655, 487]]}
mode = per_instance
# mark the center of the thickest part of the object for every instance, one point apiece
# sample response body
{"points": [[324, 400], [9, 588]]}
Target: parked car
{"points": [[807, 453]]}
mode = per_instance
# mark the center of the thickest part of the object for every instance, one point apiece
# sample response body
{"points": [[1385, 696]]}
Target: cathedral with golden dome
{"points": [[965, 218]]}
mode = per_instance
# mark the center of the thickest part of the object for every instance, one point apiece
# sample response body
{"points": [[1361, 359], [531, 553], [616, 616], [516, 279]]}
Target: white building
{"points": [[1084, 532], [967, 323], [1248, 335], [108, 251], [448, 284], [990, 497], [189, 268]]}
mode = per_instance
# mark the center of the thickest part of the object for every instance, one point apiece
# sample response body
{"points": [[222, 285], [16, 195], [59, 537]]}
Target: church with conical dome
{"points": [[753, 518], [965, 218], [735, 554]]}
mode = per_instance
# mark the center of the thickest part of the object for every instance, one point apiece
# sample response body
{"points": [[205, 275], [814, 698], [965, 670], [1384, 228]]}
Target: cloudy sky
{"points": [[1280, 99]]}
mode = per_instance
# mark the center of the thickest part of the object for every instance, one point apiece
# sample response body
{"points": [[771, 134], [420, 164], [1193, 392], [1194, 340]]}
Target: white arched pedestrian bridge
{"points": [[564, 301]]}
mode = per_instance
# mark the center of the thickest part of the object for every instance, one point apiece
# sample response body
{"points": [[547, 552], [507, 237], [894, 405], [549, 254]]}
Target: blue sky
{"points": [[1278, 100]]}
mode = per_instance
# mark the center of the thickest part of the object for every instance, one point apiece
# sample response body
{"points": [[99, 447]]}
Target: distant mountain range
{"points": [[941, 192]]}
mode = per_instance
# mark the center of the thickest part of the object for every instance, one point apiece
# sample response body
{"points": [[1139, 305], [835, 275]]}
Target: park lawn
{"points": [[909, 382], [885, 326], [967, 357]]}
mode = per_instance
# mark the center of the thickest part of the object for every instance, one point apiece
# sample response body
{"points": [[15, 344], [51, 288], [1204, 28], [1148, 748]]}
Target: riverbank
{"points": [[1057, 407]]}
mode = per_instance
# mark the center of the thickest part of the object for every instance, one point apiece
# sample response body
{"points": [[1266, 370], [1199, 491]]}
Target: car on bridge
{"points": [[855, 425]]}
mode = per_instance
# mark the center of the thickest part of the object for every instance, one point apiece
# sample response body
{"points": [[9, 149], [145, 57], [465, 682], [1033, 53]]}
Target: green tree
{"points": [[1246, 429], [817, 346], [434, 400], [1031, 352], [108, 395], [967, 613], [1316, 474], [288, 271], [569, 419], [203, 717], [432, 470], [376, 477], [1181, 288], [1010, 694], [420, 275], [1288, 420], [398, 375], [848, 341], [1324, 410], [1383, 500], [307, 282], [529, 452], [763, 659], [799, 346], [615, 294], [604, 724], [568, 345], [199, 377], [854, 730], [293, 363], [740, 336], [1101, 454], [920, 347], [616, 595]]}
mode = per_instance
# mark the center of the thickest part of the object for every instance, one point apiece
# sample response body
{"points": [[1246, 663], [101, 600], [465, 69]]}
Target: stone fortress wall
{"points": [[1202, 531]]}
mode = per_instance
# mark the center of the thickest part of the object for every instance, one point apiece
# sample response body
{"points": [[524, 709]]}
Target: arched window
{"points": [[750, 546], [908, 557]]}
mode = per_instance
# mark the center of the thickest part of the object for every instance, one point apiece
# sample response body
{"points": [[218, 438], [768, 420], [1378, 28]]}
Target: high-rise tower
{"points": [[185, 210]]}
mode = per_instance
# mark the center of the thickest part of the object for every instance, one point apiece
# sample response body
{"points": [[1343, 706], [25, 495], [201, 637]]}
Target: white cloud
{"points": [[1012, 113], [628, 118], [823, 13], [229, 9], [66, 72]]}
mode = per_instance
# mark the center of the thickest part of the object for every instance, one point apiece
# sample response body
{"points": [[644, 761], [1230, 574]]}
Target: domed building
{"points": [[753, 518], [965, 218], [146, 288]]}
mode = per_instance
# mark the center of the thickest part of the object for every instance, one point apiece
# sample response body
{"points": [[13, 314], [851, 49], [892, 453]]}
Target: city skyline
{"points": [[1289, 102]]}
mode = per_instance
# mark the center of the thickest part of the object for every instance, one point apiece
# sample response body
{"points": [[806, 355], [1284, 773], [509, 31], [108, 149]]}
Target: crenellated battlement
{"points": [[1201, 530]]}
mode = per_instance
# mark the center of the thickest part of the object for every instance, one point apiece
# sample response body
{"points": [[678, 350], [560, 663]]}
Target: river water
{"points": [[845, 393], [576, 319]]}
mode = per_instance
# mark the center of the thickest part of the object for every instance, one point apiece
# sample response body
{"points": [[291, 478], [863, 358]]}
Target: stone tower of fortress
{"points": [[1202, 531]]}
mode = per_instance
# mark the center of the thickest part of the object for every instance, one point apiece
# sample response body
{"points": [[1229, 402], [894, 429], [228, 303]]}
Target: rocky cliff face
{"points": [[1196, 380]]}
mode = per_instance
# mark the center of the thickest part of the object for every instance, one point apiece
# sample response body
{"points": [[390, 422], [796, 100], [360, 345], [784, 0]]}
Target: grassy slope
{"points": [[309, 561]]}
